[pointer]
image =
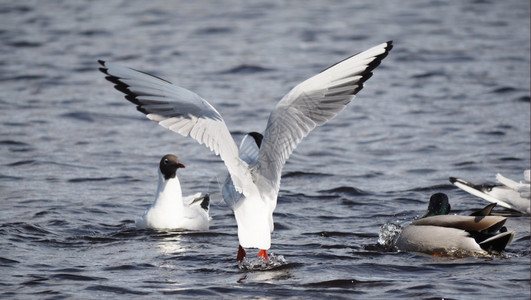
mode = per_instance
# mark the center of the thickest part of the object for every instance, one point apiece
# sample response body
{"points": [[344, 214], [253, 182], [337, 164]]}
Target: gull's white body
{"points": [[254, 216], [171, 211], [253, 184]]}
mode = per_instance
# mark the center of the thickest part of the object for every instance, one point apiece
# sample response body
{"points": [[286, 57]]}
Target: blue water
{"points": [[78, 163]]}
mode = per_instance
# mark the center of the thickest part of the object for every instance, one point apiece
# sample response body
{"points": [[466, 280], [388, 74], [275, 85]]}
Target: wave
{"points": [[246, 69], [347, 283], [304, 174], [345, 190]]}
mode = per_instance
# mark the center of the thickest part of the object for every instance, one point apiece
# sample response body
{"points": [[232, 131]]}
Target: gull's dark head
{"points": [[169, 165], [258, 137]]}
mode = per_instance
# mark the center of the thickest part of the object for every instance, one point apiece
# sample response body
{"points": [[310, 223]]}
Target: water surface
{"points": [[78, 163]]}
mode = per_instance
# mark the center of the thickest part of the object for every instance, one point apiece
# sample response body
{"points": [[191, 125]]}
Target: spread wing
{"points": [[181, 111], [312, 103]]}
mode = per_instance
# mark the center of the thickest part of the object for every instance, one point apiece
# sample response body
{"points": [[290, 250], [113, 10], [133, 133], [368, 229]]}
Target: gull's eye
{"points": [[166, 161]]}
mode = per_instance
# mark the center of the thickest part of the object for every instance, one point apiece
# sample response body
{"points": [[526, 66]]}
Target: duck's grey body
{"points": [[479, 234]]}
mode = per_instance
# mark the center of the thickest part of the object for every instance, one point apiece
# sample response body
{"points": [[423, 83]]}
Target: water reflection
{"points": [[170, 243]]}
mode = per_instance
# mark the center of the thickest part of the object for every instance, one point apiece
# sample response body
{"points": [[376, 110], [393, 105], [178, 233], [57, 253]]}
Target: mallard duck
{"points": [[439, 233], [170, 210], [507, 193]]}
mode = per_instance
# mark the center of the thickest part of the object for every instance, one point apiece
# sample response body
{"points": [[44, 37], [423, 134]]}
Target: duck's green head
{"points": [[439, 205]]}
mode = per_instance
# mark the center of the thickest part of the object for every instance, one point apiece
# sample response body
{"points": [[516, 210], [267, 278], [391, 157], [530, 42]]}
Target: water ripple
{"points": [[246, 69], [78, 163]]}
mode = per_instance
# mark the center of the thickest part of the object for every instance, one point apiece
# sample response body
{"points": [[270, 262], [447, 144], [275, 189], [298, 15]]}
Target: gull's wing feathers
{"points": [[249, 149], [312, 103], [508, 182], [181, 111], [521, 187], [476, 191]]}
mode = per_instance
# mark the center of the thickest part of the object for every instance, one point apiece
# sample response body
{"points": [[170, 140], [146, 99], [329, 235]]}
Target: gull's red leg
{"points": [[241, 254], [263, 253]]}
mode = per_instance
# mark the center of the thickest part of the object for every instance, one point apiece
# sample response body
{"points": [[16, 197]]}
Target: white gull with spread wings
{"points": [[255, 169]]}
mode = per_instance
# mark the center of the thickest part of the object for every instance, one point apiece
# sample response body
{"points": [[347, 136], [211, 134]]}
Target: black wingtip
{"points": [[376, 62], [139, 107], [388, 49], [367, 73], [205, 204], [120, 86], [380, 57], [481, 188], [103, 68], [389, 45]]}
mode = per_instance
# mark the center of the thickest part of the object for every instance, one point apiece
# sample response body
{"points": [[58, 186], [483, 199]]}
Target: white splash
{"points": [[262, 264], [387, 235]]}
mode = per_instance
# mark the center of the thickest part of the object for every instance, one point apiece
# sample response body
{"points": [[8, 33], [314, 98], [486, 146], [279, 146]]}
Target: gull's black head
{"points": [[169, 165], [258, 137]]}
